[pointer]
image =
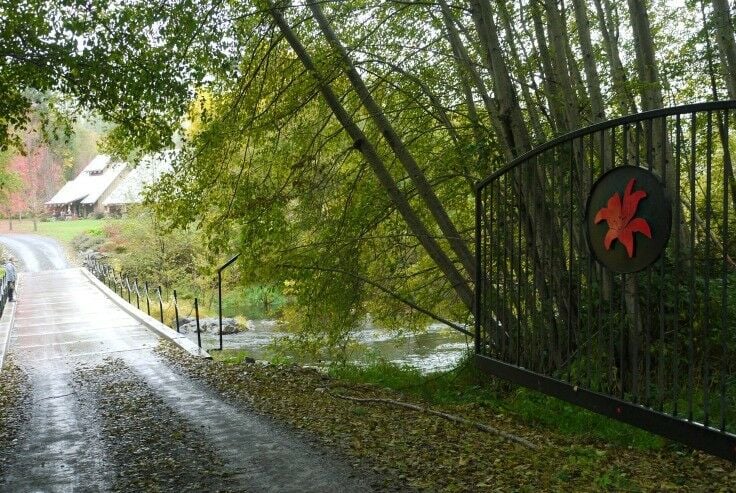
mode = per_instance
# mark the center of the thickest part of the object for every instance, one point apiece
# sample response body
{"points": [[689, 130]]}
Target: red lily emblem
{"points": [[620, 218]]}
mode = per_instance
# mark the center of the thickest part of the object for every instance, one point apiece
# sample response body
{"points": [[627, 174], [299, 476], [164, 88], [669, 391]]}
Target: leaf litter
{"points": [[150, 446], [424, 452]]}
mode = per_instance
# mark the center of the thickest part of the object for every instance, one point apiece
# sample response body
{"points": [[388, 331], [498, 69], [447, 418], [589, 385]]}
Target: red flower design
{"points": [[620, 218]]}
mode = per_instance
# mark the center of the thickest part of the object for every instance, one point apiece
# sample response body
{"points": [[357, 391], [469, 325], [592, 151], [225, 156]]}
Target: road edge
{"points": [[150, 322]]}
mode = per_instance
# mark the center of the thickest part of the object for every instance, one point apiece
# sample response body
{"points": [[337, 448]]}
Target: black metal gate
{"points": [[654, 348]]}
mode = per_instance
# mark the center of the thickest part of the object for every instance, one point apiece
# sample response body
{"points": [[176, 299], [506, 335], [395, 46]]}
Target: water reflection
{"points": [[437, 348]]}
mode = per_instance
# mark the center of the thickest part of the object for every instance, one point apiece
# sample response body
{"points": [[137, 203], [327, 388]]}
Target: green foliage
{"points": [[142, 248], [120, 58], [254, 302]]}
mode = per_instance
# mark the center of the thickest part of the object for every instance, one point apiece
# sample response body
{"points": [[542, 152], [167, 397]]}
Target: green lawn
{"points": [[64, 231]]}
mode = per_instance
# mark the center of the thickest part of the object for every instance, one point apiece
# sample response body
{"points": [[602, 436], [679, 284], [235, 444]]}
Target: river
{"points": [[437, 348]]}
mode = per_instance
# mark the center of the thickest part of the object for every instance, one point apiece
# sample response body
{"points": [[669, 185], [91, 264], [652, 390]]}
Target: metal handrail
{"points": [[219, 290]]}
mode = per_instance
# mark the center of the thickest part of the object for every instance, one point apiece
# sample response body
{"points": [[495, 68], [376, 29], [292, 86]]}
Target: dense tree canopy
{"points": [[135, 62], [336, 144]]}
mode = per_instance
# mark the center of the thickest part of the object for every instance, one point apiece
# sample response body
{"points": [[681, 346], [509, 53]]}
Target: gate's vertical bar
{"points": [[706, 268], [570, 246], [503, 295], [490, 297], [219, 302], [587, 326], [519, 309], [176, 311], [724, 275], [648, 327], [691, 307], [148, 299], [531, 247], [661, 362], [678, 230], [478, 266]]}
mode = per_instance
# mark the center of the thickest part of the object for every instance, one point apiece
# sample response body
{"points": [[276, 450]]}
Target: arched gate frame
{"points": [[655, 348]]}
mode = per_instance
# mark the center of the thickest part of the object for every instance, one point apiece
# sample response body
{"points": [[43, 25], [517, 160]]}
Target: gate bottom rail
{"points": [[690, 433]]}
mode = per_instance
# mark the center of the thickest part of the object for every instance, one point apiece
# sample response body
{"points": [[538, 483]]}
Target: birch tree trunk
{"points": [[417, 176], [363, 144], [623, 95], [592, 79], [646, 64], [726, 43]]}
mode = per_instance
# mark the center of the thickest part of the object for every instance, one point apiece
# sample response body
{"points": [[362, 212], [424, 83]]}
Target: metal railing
{"points": [[655, 348], [219, 290], [120, 284], [3, 294]]}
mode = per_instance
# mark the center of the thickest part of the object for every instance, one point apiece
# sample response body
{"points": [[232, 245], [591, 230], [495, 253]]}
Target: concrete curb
{"points": [[6, 324], [147, 320]]}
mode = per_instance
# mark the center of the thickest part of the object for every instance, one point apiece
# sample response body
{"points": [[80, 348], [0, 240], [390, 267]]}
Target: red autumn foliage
{"points": [[40, 172], [620, 218]]}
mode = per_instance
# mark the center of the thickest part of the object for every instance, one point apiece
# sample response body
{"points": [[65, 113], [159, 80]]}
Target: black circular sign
{"points": [[628, 219]]}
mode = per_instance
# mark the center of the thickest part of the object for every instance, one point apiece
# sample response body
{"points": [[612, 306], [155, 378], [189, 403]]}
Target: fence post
{"points": [[176, 311], [137, 294], [219, 291], [196, 315], [127, 286], [160, 306], [148, 300]]}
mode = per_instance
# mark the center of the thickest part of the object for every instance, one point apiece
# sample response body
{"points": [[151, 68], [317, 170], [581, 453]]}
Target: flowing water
{"points": [[437, 348]]}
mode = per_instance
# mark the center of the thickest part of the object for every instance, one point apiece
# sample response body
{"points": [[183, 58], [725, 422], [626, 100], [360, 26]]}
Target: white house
{"points": [[130, 189], [85, 194]]}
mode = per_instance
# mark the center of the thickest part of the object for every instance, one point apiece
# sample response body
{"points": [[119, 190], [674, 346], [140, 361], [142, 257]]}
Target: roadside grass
{"points": [[466, 385], [229, 356], [64, 231]]}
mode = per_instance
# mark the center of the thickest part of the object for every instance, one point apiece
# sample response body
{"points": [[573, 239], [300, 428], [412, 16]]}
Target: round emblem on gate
{"points": [[628, 219]]}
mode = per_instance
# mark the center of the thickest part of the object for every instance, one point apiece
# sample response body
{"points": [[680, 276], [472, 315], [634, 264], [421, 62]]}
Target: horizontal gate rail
{"points": [[622, 301]]}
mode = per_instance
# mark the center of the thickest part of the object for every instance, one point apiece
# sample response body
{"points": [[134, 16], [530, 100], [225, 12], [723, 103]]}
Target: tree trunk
{"points": [[417, 176], [623, 96], [362, 143], [550, 84], [592, 80], [531, 108], [726, 43], [646, 64]]}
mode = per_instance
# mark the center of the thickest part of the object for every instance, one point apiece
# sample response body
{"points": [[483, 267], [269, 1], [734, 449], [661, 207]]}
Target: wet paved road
{"points": [[65, 326]]}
